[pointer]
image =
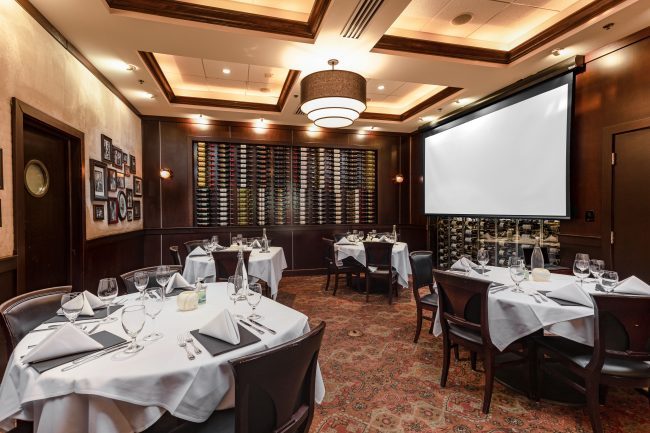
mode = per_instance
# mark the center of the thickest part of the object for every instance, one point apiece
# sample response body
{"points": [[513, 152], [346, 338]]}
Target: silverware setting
{"points": [[80, 361], [181, 343], [262, 326], [535, 298], [500, 289], [190, 340], [254, 328]]}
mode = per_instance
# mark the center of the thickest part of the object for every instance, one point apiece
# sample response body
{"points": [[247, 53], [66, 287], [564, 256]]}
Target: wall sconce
{"points": [[166, 173], [399, 178]]}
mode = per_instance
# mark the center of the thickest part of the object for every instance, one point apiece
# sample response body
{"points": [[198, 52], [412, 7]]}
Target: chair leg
{"points": [[419, 326], [327, 284], [488, 363], [472, 360], [533, 372], [456, 356], [446, 355], [390, 292], [336, 283], [602, 394], [367, 288], [591, 391]]}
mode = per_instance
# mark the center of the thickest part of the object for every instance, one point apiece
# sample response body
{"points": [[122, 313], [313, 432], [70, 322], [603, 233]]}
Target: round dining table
{"points": [[120, 393], [399, 257]]}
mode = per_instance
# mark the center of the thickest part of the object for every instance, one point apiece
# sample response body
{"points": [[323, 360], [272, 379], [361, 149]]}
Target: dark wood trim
{"points": [[440, 96], [149, 59], [8, 264], [65, 43], [615, 46], [488, 55], [609, 135], [110, 239], [228, 17], [22, 113]]}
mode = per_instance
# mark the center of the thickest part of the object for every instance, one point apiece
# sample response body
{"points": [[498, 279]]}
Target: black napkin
{"points": [[217, 347], [105, 338], [562, 302], [100, 313]]}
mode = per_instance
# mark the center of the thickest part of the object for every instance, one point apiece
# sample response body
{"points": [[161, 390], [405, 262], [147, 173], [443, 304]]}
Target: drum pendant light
{"points": [[333, 98]]}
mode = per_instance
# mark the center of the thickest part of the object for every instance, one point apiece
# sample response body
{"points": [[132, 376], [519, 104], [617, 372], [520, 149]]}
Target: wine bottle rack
{"points": [[502, 237], [244, 184]]}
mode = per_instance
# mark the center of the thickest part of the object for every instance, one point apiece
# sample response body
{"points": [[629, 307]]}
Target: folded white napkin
{"points": [[344, 241], [175, 282], [463, 263], [223, 327], [90, 302], [66, 340], [256, 244], [383, 239], [633, 286], [573, 293], [198, 251]]}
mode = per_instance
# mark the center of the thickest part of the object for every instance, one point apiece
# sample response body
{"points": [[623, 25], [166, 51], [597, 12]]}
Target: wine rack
{"points": [[244, 184], [502, 237]]}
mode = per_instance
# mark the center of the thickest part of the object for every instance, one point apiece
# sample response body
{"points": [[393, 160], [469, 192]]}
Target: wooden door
{"points": [[631, 204], [47, 219]]}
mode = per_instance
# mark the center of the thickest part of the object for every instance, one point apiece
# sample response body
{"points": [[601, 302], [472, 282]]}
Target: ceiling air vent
{"points": [[363, 13]]}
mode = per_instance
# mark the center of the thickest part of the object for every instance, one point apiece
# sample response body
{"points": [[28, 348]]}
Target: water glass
{"points": [[215, 242], [582, 256], [597, 267], [232, 288], [141, 281], [253, 297], [517, 272], [153, 305], [72, 304], [207, 246], [163, 274], [483, 257], [361, 235], [239, 239], [581, 269], [107, 292], [133, 317], [609, 281]]}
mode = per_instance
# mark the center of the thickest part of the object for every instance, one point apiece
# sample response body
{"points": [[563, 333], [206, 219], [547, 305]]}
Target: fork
{"points": [[535, 298], [181, 343], [190, 340]]}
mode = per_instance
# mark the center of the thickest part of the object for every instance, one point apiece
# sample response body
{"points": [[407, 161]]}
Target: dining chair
{"points": [[379, 267], [128, 286], [25, 312], [619, 356], [274, 390], [190, 245], [346, 268], [422, 268], [338, 236], [464, 320], [225, 263], [176, 256]]}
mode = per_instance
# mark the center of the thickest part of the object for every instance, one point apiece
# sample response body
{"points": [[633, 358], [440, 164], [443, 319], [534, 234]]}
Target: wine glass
{"points": [[597, 267], [239, 239], [582, 256], [107, 292], [609, 281], [153, 305], [72, 304], [215, 241], [517, 272], [232, 288], [253, 297], [163, 274], [132, 322], [141, 281], [361, 235], [483, 257], [581, 269], [207, 246]]}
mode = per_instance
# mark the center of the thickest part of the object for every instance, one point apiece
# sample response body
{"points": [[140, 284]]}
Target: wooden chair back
{"points": [[328, 251], [225, 263], [128, 285], [275, 388], [176, 256], [422, 271], [190, 245], [378, 254], [338, 236]]}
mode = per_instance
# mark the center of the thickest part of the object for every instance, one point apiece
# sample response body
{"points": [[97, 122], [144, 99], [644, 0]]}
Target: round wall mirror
{"points": [[37, 179]]}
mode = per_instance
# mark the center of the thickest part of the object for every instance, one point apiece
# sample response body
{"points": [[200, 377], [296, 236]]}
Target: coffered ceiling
{"points": [[244, 59]]}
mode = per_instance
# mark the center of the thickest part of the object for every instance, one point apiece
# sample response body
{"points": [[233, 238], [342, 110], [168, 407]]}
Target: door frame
{"points": [[21, 114], [607, 178]]}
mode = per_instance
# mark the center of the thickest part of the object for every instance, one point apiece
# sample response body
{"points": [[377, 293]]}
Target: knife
{"points": [[259, 331], [262, 326], [96, 355]]}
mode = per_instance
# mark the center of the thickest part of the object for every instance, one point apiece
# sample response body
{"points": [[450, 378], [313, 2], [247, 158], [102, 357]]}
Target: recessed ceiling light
{"points": [[131, 68], [427, 118], [370, 128], [226, 71], [459, 101], [558, 51], [264, 89], [381, 87], [463, 18]]}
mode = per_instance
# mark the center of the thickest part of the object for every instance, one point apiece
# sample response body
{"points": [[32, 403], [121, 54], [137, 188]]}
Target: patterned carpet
{"points": [[379, 381]]}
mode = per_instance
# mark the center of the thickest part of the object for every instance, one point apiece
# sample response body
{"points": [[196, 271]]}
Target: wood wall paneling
{"points": [[112, 256]]}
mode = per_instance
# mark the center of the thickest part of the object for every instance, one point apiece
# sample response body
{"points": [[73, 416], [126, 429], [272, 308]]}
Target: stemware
{"points": [[253, 297], [483, 257], [239, 239], [517, 272], [581, 269], [609, 280], [141, 281], [72, 304], [163, 274], [132, 322], [215, 241], [153, 305], [232, 288], [582, 256], [361, 235], [207, 246], [107, 292], [597, 267]]}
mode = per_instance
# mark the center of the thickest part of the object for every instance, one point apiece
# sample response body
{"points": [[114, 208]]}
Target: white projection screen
{"points": [[509, 159]]}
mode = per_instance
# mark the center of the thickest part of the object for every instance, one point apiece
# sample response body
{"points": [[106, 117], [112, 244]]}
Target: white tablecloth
{"points": [[265, 266], [515, 315], [126, 393], [399, 259]]}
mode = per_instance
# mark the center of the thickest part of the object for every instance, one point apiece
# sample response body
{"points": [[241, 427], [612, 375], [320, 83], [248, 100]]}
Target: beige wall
{"points": [[36, 69]]}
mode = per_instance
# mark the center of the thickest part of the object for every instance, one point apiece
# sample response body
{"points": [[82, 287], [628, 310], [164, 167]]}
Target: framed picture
{"points": [[98, 212], [132, 160], [129, 198], [112, 180], [121, 205], [137, 186], [121, 183], [126, 163], [112, 210], [117, 157], [98, 183], [129, 215], [107, 149], [136, 209]]}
